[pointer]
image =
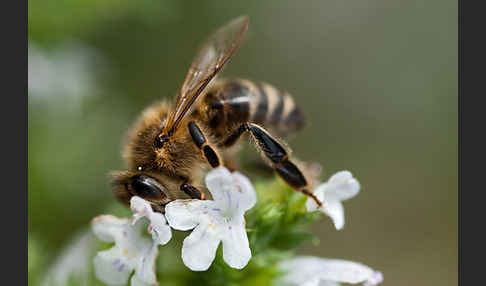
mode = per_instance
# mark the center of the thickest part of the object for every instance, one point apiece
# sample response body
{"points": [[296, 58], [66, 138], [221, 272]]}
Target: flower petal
{"points": [[131, 240], [319, 282], [145, 271], [108, 227], [375, 279], [186, 214], [236, 249], [303, 269], [230, 191], [342, 186], [136, 281], [199, 248], [334, 209], [246, 194], [140, 208], [327, 283], [111, 267], [161, 232], [74, 260], [219, 183]]}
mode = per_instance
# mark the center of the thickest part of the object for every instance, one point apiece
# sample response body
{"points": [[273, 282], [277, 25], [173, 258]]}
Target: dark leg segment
{"points": [[278, 156], [201, 143], [291, 174], [196, 134], [231, 140], [272, 149], [192, 191], [211, 156]]}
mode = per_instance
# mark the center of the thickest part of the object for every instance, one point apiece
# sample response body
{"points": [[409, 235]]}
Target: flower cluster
{"points": [[220, 220]]}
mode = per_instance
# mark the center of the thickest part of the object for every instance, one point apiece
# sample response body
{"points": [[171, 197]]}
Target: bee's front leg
{"points": [[200, 140], [192, 191]]}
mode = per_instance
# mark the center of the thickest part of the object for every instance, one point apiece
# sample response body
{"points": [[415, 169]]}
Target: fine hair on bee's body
{"points": [[235, 101], [171, 146]]}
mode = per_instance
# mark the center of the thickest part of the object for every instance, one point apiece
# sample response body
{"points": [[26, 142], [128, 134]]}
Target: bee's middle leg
{"points": [[200, 140]]}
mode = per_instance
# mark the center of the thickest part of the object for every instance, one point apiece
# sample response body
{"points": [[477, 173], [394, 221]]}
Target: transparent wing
{"points": [[208, 62]]}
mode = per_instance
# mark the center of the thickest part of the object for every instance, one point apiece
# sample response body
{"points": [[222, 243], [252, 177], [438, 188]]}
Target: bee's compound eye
{"points": [[147, 188]]}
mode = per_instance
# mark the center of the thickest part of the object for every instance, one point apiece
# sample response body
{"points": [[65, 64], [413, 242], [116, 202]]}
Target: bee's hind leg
{"points": [[277, 156]]}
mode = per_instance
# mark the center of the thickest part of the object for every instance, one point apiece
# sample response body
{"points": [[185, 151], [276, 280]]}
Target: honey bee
{"points": [[171, 146]]}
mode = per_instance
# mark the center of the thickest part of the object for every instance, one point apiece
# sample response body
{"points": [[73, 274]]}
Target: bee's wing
{"points": [[208, 62]]}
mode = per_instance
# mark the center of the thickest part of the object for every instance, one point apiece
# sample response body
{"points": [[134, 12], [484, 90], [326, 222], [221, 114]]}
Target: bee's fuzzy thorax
{"points": [[177, 157]]}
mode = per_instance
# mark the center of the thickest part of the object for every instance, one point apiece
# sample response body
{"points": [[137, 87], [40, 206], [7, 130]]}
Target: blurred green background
{"points": [[377, 80]]}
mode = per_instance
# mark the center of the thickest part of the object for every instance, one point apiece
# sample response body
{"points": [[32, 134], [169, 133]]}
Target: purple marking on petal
{"points": [[375, 279], [116, 261], [120, 268], [203, 234], [216, 209], [143, 263], [229, 198]]}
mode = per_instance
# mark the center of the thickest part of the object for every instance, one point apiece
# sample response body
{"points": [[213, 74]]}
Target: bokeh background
{"points": [[377, 80]]}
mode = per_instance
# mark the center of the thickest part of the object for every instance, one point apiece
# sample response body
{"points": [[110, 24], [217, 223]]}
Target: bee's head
{"points": [[126, 184]]}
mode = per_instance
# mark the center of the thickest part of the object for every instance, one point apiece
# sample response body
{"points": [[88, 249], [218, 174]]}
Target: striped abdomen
{"points": [[236, 101]]}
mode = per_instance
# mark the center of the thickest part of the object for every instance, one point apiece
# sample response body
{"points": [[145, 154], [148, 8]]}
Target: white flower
{"points": [[315, 271], [73, 261], [68, 71], [341, 186], [215, 221], [131, 251], [161, 232]]}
